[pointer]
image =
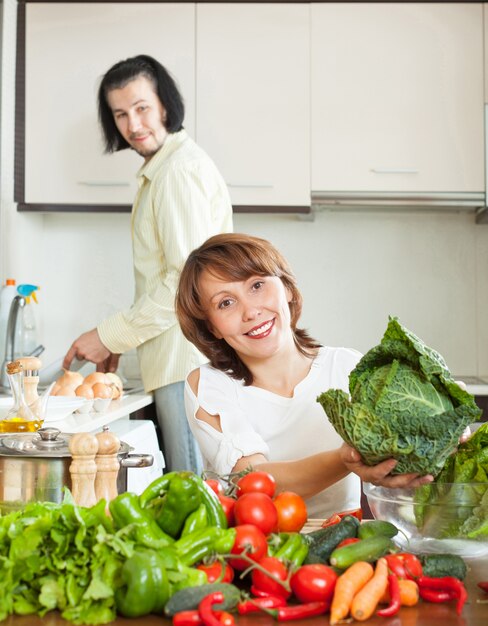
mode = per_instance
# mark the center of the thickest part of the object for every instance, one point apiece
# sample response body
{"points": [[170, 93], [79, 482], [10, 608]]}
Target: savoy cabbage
{"points": [[403, 404]]}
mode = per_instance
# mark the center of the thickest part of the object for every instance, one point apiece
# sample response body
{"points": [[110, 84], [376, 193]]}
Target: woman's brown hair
{"points": [[234, 257]]}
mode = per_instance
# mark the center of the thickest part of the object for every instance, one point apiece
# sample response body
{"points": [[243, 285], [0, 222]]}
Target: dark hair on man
{"points": [[164, 85]]}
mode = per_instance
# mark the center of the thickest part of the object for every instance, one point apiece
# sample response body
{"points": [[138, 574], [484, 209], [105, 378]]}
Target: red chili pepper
{"points": [[192, 618], [253, 605], [446, 583], [432, 595], [483, 585], [394, 591], [187, 618], [208, 615], [299, 611]]}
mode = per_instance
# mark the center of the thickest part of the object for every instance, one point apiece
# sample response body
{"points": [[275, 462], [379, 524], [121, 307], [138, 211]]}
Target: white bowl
{"points": [[438, 517]]}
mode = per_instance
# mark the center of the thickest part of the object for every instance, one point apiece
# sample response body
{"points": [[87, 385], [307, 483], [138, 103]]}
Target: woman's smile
{"points": [[261, 331]]}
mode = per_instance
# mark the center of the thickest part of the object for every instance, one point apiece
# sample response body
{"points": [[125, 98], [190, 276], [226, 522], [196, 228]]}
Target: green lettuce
{"points": [[403, 404], [456, 504]]}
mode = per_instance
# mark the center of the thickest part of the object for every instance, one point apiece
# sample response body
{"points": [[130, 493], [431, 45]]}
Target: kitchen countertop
{"points": [[88, 422], [424, 614]]}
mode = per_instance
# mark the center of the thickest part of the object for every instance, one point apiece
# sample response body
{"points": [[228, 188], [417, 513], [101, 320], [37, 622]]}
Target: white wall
{"points": [[354, 269]]}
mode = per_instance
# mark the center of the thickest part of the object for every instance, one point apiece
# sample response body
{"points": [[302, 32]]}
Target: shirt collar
{"points": [[171, 143]]}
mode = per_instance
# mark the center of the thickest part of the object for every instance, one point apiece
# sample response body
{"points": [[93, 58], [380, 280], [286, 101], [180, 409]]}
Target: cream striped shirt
{"points": [[182, 200]]}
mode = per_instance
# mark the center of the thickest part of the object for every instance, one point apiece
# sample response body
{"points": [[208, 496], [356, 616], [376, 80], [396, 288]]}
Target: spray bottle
{"points": [[27, 331]]}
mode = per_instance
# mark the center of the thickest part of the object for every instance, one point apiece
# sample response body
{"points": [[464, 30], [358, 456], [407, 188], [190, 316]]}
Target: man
{"points": [[181, 201]]}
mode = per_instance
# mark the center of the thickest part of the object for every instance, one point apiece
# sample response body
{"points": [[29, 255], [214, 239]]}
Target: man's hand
{"points": [[88, 346], [380, 474], [109, 365]]}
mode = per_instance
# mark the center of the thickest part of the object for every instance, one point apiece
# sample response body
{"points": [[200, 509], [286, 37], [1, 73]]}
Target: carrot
{"points": [[409, 593], [366, 600], [348, 584]]}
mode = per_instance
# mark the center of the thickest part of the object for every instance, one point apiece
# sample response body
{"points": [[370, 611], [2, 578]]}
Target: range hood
{"points": [[395, 201]]}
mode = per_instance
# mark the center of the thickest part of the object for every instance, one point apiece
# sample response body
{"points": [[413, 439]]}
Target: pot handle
{"points": [[137, 460]]}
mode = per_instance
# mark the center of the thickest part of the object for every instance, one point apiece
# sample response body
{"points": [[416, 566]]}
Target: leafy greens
{"points": [[61, 556], [456, 504], [404, 404]]}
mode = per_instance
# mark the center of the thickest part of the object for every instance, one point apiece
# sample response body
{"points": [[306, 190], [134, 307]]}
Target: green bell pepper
{"points": [[126, 511], [145, 587], [195, 521]]}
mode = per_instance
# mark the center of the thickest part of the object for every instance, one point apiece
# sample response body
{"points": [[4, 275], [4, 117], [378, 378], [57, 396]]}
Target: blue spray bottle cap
{"points": [[27, 291]]}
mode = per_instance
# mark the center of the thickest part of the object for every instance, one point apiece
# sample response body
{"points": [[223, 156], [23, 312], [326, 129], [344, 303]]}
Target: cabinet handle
{"points": [[393, 170], [250, 186], [103, 183]]}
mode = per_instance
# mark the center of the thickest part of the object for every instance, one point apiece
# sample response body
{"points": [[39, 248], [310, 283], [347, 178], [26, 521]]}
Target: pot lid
{"points": [[46, 442]]}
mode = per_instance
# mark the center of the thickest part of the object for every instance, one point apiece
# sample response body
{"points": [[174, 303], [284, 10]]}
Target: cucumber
{"points": [[189, 598], [370, 549], [440, 565], [323, 541], [377, 528]]}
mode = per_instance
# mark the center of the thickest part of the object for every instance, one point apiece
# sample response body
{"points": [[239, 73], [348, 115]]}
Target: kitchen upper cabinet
{"points": [[69, 46], [397, 97], [253, 99]]}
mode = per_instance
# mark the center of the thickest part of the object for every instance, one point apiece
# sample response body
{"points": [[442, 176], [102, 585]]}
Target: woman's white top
{"points": [[254, 420]]}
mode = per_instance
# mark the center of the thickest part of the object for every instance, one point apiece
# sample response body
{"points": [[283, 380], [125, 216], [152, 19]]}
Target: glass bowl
{"points": [[435, 518]]}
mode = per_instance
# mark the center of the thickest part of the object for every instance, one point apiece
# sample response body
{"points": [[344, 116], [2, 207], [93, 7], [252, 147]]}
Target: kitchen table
{"points": [[475, 612]]}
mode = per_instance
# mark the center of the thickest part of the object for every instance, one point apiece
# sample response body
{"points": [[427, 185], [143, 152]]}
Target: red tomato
{"points": [[292, 511], [215, 486], [228, 504], [261, 482], [251, 539], [258, 509], [331, 521], [336, 517], [217, 572], [346, 542], [264, 583], [314, 583]]}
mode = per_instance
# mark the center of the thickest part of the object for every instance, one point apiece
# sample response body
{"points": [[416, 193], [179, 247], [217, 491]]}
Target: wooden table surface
{"points": [[475, 613]]}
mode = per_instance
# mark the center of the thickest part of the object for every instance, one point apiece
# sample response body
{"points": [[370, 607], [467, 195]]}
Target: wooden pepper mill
{"points": [[108, 465], [83, 469]]}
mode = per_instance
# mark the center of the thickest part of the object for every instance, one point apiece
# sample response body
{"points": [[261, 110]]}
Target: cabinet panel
{"points": [[397, 97], [68, 48], [253, 99]]}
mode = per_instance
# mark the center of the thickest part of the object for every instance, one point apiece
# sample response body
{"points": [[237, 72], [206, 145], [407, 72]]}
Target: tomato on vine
{"points": [[257, 481], [258, 509], [252, 541], [264, 583]]}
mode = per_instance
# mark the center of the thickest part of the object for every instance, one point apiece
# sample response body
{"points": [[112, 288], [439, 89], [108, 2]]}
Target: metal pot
{"points": [[35, 467]]}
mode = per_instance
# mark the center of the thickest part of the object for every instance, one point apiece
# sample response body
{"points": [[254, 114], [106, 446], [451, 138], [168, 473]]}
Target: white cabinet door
{"points": [[397, 97], [68, 49], [253, 95]]}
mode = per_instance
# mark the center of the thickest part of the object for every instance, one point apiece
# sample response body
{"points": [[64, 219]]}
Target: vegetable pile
{"points": [[456, 504], [404, 404], [172, 551]]}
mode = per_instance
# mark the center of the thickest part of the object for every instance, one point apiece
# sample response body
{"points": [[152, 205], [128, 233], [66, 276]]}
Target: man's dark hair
{"points": [[122, 73]]}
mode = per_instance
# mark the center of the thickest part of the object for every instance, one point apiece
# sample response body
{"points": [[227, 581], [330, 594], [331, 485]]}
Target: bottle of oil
{"points": [[20, 418]]}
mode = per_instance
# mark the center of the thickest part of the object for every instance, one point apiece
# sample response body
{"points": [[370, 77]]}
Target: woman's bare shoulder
{"points": [[193, 379]]}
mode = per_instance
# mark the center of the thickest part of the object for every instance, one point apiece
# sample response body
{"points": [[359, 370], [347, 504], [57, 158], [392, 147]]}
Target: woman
{"points": [[255, 404]]}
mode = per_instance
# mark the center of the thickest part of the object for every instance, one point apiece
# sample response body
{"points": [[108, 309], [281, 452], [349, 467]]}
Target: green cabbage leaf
{"points": [[403, 404]]}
